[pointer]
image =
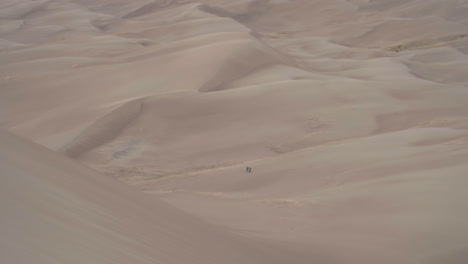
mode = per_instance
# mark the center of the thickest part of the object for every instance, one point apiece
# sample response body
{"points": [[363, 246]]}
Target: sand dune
{"points": [[102, 130], [404, 203], [352, 114], [55, 210]]}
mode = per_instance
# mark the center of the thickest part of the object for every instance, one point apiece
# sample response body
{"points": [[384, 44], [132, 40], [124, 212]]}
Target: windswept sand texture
{"points": [[353, 115]]}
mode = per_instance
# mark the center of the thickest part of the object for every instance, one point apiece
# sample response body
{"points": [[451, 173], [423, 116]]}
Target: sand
{"points": [[352, 115]]}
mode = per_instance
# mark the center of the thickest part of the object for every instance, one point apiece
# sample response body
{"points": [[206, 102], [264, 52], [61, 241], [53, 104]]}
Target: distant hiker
{"points": [[250, 169], [247, 169]]}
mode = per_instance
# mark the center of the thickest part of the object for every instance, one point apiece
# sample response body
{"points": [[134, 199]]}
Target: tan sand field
{"points": [[127, 127]]}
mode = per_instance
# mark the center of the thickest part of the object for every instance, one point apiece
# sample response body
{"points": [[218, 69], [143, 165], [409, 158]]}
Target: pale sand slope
{"points": [[55, 210], [393, 198], [353, 114]]}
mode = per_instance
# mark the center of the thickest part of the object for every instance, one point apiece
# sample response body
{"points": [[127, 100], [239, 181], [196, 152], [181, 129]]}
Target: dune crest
{"points": [[104, 129], [56, 210]]}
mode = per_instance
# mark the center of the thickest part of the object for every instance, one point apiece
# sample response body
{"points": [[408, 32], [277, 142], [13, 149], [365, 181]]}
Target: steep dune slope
{"points": [[57, 211]]}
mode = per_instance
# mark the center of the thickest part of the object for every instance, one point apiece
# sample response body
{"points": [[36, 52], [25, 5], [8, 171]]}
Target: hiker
{"points": [[250, 169], [247, 169]]}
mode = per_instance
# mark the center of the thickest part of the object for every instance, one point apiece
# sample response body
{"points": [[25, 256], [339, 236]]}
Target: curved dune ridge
{"points": [[249, 57], [353, 116], [55, 210], [104, 129]]}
